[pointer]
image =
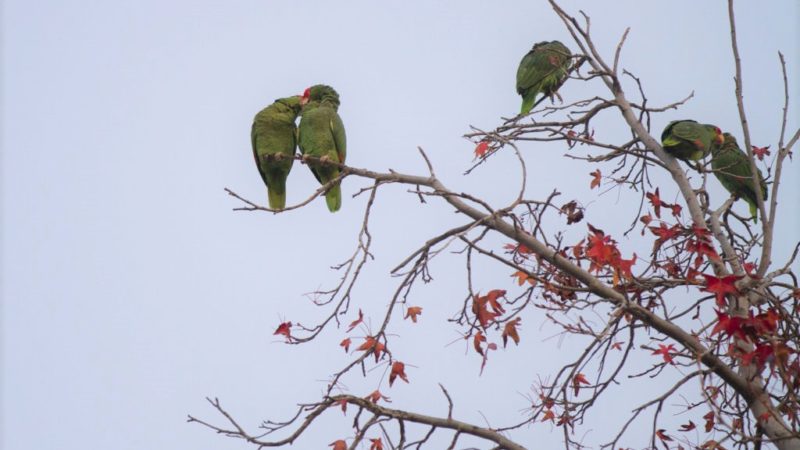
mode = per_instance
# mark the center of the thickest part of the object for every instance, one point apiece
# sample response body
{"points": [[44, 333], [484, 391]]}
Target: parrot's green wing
{"points": [[732, 168], [322, 136], [339, 137], [542, 70], [687, 139], [274, 139]]}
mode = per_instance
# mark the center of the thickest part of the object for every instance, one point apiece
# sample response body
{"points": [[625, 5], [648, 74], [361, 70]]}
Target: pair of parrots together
{"points": [[546, 67], [320, 136]]}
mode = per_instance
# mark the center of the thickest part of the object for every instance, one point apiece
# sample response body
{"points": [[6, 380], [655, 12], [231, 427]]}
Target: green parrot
{"points": [[687, 139], [322, 136], [274, 138], [732, 168], [542, 70]]}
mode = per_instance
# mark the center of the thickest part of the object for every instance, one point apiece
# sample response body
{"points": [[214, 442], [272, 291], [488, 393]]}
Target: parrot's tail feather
{"points": [[276, 193], [334, 198], [527, 104], [753, 211]]}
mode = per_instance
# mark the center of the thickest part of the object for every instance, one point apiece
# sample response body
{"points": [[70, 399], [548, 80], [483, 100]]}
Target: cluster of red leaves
{"points": [[758, 329], [481, 305], [602, 253], [487, 309]]}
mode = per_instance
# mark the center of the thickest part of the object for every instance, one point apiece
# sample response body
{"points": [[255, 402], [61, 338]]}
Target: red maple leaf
{"points": [[355, 323], [664, 351], [343, 404], [721, 286], [346, 344], [624, 266], [617, 345], [596, 176], [676, 209], [284, 329], [548, 415], [688, 426], [655, 201], [481, 149], [510, 331], [760, 152], [577, 380], [398, 370], [413, 312], [765, 323], [377, 444], [732, 326], [665, 233]]}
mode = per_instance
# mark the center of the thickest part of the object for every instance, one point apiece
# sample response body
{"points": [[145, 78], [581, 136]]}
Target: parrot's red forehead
{"points": [[306, 93]]}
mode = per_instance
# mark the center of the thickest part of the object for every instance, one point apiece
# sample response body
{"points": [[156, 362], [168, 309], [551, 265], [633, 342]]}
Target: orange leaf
{"points": [[548, 415], [510, 330], [377, 444], [481, 149], [492, 296], [355, 323], [346, 344], [398, 370], [522, 277], [595, 179], [370, 343], [343, 404], [338, 445], [481, 311], [376, 395], [413, 312], [285, 330], [477, 340], [688, 426]]}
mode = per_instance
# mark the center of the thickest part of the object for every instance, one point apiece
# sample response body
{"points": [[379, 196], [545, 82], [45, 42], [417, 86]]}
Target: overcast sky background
{"points": [[131, 290]]}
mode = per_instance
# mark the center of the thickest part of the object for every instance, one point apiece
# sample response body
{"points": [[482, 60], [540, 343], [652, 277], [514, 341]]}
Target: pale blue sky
{"points": [[131, 290]]}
